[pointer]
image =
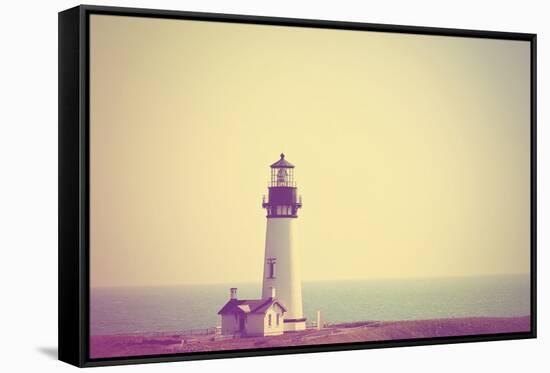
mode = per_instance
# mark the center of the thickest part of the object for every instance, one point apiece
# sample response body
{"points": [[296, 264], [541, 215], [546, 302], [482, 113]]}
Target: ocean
{"points": [[122, 310]]}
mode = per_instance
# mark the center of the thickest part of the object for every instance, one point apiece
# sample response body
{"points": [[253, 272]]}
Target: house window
{"points": [[271, 267], [269, 321], [278, 317]]}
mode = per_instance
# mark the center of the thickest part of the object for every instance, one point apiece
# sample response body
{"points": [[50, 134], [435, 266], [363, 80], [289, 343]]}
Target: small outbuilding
{"points": [[252, 317]]}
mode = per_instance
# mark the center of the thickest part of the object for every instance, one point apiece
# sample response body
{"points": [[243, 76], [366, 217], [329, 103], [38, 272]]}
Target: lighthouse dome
{"points": [[282, 163]]}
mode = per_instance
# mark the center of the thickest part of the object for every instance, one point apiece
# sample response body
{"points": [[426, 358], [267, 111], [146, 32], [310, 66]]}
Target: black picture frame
{"points": [[74, 175]]}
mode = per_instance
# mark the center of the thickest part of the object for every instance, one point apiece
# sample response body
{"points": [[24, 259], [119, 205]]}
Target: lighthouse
{"points": [[282, 263]]}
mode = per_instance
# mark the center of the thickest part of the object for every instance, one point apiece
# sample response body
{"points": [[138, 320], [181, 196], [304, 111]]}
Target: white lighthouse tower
{"points": [[282, 264]]}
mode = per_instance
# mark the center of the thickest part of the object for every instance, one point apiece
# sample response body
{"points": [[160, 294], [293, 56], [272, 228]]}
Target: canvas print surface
{"points": [[257, 186]]}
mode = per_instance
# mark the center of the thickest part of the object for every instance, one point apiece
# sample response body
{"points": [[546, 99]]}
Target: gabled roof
{"points": [[282, 163], [249, 306], [267, 305]]}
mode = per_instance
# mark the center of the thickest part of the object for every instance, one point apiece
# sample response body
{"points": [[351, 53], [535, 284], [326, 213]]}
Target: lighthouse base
{"points": [[294, 325]]}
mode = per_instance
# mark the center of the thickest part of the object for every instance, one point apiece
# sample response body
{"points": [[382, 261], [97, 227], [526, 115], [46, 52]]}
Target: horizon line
{"points": [[313, 280]]}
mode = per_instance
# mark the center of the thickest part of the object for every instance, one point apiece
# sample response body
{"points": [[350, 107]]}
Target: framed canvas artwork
{"points": [[239, 186]]}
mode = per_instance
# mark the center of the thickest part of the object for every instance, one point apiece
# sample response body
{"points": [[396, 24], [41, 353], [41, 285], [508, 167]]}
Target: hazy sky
{"points": [[411, 152]]}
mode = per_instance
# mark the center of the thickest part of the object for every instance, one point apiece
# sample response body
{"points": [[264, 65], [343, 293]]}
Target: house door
{"points": [[241, 324]]}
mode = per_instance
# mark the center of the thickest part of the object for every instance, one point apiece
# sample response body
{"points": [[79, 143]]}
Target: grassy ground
{"points": [[169, 343]]}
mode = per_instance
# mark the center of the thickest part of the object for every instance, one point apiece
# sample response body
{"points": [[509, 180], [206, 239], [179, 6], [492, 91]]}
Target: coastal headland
{"points": [[102, 346]]}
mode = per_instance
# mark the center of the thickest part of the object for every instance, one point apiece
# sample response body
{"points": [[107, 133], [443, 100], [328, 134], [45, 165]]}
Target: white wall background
{"points": [[28, 184]]}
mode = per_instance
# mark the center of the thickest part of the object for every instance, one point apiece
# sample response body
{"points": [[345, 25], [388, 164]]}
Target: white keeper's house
{"points": [[252, 317]]}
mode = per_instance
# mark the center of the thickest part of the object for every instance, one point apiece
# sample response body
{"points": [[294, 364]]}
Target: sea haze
{"points": [[122, 310]]}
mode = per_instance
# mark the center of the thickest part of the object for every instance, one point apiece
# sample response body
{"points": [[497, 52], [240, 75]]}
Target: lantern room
{"points": [[283, 200], [282, 173]]}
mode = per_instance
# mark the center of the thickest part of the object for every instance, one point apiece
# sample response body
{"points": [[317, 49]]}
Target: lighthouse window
{"points": [[278, 317], [271, 267], [282, 177], [269, 321]]}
